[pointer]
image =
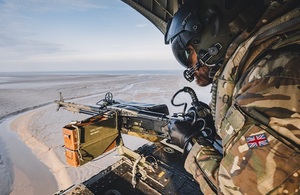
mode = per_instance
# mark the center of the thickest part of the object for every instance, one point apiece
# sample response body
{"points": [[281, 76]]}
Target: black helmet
{"points": [[209, 26]]}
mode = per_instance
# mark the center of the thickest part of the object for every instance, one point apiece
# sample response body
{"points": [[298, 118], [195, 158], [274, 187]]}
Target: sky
{"points": [[79, 35]]}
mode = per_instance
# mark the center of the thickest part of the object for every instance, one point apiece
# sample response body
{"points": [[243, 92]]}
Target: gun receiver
{"points": [[143, 120]]}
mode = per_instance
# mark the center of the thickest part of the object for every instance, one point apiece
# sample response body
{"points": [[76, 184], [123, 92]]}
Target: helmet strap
{"points": [[214, 69], [205, 56]]}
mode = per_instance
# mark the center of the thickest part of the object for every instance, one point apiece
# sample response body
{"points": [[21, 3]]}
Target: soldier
{"points": [[249, 52]]}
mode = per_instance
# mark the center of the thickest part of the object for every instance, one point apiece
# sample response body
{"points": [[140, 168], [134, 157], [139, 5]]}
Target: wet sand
{"points": [[31, 153], [30, 176]]}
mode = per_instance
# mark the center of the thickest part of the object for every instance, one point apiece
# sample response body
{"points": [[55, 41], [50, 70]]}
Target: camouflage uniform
{"points": [[256, 104]]}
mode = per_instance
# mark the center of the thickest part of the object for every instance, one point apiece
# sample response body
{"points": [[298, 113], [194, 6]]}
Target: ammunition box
{"points": [[88, 139], [71, 138], [72, 157]]}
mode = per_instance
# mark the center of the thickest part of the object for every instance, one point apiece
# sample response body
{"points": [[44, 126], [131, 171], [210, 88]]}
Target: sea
{"points": [[97, 72]]}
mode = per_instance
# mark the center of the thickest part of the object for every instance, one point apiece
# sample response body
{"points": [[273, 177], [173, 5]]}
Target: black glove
{"points": [[181, 132]]}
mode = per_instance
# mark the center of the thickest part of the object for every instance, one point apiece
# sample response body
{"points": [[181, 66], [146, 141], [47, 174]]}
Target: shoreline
{"points": [[44, 154], [29, 172]]}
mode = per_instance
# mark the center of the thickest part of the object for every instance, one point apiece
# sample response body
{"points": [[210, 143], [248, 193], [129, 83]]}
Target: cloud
{"points": [[122, 56], [147, 60], [14, 43], [142, 25], [17, 36], [51, 5]]}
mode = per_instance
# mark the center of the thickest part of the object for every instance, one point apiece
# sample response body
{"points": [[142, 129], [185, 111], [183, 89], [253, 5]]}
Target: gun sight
{"points": [[60, 102]]}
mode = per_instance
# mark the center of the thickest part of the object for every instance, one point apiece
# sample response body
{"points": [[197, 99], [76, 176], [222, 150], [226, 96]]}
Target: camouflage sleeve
{"points": [[203, 163]]}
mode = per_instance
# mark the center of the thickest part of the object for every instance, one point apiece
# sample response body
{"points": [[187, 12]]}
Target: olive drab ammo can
{"points": [[85, 140]]}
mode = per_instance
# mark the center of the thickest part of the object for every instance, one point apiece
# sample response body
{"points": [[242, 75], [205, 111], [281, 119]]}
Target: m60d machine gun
{"points": [[85, 140]]}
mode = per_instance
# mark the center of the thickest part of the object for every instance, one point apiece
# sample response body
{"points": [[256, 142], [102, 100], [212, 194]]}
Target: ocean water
{"points": [[104, 72]]}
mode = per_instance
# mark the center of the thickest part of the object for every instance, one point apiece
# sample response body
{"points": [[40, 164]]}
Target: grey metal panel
{"points": [[156, 11]]}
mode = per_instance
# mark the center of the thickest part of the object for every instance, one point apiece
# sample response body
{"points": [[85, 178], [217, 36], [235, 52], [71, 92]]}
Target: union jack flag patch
{"points": [[257, 140]]}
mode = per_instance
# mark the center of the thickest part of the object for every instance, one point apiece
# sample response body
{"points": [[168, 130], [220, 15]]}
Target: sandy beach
{"points": [[32, 157]]}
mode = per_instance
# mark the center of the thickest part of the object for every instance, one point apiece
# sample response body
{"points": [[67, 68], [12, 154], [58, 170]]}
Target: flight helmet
{"points": [[209, 26]]}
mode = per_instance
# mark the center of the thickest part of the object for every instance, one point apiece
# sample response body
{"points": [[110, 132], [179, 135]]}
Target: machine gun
{"points": [[87, 139]]}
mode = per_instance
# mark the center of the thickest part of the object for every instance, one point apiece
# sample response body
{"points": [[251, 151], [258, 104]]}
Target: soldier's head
{"points": [[201, 31]]}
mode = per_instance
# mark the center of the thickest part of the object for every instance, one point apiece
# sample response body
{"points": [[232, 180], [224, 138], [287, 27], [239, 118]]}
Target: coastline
{"points": [[24, 172], [43, 153]]}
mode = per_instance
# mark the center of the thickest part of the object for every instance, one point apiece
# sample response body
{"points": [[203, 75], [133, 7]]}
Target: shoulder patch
{"points": [[257, 140]]}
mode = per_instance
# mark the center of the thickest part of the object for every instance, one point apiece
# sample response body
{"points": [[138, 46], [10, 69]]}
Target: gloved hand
{"points": [[181, 132]]}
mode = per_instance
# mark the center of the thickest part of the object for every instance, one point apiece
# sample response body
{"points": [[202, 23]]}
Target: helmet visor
{"points": [[182, 52]]}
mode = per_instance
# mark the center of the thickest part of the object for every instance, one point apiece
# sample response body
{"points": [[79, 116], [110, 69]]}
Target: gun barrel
{"points": [[153, 115], [88, 112], [79, 108]]}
